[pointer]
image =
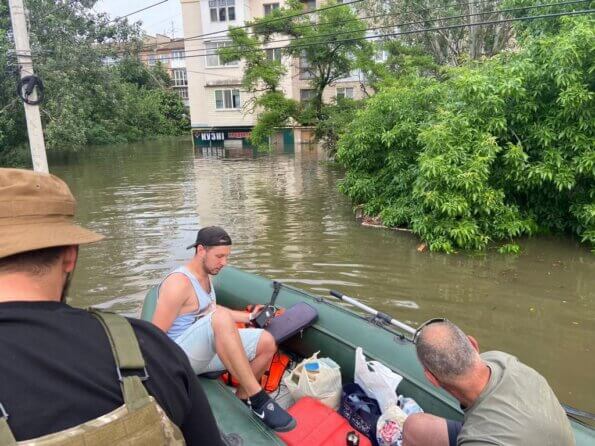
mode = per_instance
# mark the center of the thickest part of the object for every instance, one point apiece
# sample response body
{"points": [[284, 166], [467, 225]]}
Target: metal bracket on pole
{"points": [[25, 62]]}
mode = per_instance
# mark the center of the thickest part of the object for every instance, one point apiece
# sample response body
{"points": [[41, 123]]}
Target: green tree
{"points": [[487, 152], [328, 45], [93, 81]]}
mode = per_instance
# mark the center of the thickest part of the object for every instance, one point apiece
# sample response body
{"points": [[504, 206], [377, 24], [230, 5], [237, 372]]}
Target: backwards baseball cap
{"points": [[37, 211], [211, 236]]}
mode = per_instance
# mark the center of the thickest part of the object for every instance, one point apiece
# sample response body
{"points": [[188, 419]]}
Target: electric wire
{"points": [[411, 11], [399, 33], [397, 25], [409, 32], [306, 25], [274, 19], [137, 11]]}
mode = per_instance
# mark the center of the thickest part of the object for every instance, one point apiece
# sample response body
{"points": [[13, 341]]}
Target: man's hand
{"points": [[255, 311]]}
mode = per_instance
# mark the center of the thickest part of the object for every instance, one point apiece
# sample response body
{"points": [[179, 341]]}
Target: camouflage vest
{"points": [[139, 421]]}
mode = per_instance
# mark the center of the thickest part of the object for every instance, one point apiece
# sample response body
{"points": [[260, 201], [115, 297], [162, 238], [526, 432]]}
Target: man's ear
{"points": [[430, 377], [69, 258], [474, 343]]}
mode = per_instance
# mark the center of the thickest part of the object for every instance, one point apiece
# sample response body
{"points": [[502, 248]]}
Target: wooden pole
{"points": [[25, 61]]}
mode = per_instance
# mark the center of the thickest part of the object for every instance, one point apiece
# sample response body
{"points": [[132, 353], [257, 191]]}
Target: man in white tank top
{"points": [[187, 311]]}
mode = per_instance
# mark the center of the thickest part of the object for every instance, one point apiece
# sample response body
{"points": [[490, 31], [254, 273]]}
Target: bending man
{"points": [[506, 403], [187, 311]]}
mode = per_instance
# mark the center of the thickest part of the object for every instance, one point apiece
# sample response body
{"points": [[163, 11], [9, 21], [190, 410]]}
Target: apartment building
{"points": [[170, 53], [220, 110]]}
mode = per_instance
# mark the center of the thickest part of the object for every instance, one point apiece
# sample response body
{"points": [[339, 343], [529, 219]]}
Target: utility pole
{"points": [[25, 62]]}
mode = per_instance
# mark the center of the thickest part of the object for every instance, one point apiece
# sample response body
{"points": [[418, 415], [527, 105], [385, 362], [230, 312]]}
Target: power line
{"points": [[411, 11], [414, 11], [138, 10], [419, 31], [400, 33], [274, 19], [400, 25]]}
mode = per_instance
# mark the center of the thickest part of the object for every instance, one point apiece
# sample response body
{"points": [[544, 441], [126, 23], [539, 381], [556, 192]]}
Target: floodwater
{"points": [[289, 222]]}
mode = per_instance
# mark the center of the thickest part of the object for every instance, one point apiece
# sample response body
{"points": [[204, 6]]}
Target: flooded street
{"points": [[289, 222]]}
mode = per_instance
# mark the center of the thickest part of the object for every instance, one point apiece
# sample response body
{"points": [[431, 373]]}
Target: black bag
{"points": [[292, 321], [361, 411]]}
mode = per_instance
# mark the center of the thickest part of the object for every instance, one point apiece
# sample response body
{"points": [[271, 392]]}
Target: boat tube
{"points": [[336, 334]]}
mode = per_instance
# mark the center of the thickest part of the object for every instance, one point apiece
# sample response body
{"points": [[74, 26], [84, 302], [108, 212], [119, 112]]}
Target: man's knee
{"points": [[413, 427], [425, 429], [221, 319], [266, 343]]}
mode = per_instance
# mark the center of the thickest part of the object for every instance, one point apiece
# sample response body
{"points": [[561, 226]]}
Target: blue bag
{"points": [[361, 411]]}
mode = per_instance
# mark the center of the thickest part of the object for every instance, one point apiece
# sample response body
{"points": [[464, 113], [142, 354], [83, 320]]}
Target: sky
{"points": [[158, 19]]}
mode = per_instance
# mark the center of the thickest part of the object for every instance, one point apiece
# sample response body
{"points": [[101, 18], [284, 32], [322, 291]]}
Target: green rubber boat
{"points": [[336, 334]]}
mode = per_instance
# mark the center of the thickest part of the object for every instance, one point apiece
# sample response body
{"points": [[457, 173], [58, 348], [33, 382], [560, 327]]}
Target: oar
{"points": [[379, 314], [578, 413]]}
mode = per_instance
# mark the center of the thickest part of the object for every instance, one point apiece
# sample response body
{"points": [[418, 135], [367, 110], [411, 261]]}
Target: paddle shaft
{"points": [[379, 314]]}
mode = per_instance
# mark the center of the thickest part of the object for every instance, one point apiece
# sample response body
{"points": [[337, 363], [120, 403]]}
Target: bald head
{"points": [[446, 351]]}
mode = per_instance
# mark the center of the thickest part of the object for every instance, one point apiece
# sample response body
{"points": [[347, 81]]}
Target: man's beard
{"points": [[213, 272], [66, 287]]}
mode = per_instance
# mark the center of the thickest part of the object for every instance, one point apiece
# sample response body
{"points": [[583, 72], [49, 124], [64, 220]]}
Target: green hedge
{"points": [[494, 151]]}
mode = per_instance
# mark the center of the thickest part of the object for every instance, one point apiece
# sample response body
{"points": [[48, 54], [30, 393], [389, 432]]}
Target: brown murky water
{"points": [[289, 222]]}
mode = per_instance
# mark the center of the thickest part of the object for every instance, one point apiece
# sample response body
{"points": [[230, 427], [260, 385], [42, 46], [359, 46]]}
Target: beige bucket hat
{"points": [[36, 211]]}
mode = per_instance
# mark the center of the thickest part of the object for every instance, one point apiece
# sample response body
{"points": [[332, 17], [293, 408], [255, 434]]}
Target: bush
{"points": [[494, 151]]}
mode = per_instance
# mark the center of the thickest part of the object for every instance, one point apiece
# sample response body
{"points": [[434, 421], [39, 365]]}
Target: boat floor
{"points": [[234, 418]]}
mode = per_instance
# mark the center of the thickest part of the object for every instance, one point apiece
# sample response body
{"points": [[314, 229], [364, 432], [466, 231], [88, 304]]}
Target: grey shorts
{"points": [[198, 341]]}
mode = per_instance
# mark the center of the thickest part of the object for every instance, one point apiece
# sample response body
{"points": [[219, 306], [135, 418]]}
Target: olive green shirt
{"points": [[516, 408]]}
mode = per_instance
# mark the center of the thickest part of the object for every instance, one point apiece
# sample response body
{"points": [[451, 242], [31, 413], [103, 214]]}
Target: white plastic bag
{"points": [[409, 405], [389, 429], [323, 384], [377, 380]]}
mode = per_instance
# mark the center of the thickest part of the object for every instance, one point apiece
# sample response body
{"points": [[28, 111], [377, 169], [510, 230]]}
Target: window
{"points": [[273, 54], [305, 72], [222, 10], [151, 59], [213, 59], [270, 7], [180, 79], [306, 95], [227, 99], [346, 92], [183, 92], [178, 54]]}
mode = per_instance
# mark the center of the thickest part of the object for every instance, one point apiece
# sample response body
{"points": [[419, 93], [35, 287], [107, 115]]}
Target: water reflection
{"points": [[289, 222]]}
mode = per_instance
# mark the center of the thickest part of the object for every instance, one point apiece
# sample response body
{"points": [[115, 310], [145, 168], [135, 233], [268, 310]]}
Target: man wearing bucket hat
{"points": [[71, 374], [187, 311]]}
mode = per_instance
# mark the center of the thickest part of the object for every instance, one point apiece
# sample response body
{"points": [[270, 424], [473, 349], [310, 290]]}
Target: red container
{"points": [[318, 424]]}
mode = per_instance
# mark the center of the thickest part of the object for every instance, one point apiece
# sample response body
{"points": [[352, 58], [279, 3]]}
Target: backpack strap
{"points": [[6, 437], [127, 356]]}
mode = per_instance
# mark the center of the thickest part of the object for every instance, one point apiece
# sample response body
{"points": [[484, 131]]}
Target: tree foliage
{"points": [[87, 101], [328, 45], [489, 152], [452, 46]]}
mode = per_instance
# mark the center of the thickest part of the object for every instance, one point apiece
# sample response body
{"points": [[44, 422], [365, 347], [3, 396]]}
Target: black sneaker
{"points": [[274, 416]]}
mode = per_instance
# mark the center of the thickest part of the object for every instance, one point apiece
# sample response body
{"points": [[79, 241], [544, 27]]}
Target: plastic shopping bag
{"points": [[409, 405], [377, 380], [389, 430], [319, 378]]}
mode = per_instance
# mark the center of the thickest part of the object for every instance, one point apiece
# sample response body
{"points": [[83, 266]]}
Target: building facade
{"points": [[220, 110], [171, 54]]}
